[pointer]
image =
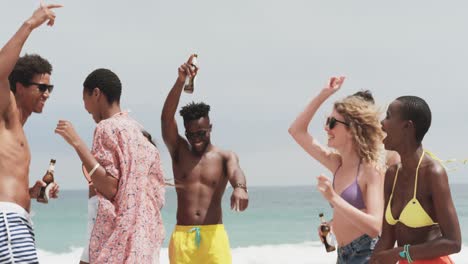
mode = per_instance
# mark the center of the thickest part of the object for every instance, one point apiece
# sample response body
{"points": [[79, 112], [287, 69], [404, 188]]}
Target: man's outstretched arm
{"points": [[170, 133], [10, 52], [239, 197]]}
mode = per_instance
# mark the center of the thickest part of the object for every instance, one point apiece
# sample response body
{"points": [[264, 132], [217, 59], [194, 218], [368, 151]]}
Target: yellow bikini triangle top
{"points": [[413, 214]]}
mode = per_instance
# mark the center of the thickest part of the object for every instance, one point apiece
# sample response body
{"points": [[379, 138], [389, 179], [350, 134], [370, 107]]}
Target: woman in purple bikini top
{"points": [[357, 161], [352, 194]]}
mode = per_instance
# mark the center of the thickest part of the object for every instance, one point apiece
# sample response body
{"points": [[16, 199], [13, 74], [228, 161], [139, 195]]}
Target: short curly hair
{"points": [[194, 111], [107, 81], [364, 124], [25, 69]]}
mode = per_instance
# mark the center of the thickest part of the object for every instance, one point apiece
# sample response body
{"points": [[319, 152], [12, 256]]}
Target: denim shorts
{"points": [[358, 251]]}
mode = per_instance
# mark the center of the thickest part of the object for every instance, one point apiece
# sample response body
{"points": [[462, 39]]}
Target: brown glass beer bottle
{"points": [[48, 179], [326, 234]]}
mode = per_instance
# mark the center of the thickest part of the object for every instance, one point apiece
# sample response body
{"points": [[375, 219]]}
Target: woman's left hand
{"points": [[325, 187]]}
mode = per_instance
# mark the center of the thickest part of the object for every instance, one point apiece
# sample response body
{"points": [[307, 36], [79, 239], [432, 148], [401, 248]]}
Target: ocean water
{"points": [[278, 227]]}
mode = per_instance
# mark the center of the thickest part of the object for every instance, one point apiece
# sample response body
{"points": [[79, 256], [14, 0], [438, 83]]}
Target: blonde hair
{"points": [[364, 125]]}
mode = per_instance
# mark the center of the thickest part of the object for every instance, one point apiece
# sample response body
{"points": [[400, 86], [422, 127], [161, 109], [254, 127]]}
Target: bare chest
{"points": [[207, 170], [14, 144]]}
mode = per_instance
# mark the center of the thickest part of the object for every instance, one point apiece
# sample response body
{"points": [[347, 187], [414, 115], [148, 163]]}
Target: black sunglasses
{"points": [[331, 122], [43, 87], [197, 134]]}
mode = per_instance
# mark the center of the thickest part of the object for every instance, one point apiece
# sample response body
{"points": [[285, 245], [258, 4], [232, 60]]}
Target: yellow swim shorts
{"points": [[204, 244]]}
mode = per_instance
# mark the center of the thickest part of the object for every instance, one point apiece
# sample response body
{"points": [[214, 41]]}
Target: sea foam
{"points": [[303, 253]]}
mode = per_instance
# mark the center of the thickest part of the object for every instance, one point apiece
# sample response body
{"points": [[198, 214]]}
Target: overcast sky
{"points": [[261, 61]]}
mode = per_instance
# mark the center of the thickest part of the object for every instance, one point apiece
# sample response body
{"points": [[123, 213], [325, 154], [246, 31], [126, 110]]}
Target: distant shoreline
{"points": [[273, 186]]}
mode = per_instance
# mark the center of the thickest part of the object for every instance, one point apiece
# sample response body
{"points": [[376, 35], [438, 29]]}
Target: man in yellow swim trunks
{"points": [[201, 173]]}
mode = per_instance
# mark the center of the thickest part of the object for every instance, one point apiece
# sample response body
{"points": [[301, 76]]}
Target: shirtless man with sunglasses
{"points": [[24, 89], [201, 173]]}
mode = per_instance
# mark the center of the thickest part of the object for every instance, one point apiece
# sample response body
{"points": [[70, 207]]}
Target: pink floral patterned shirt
{"points": [[129, 228]]}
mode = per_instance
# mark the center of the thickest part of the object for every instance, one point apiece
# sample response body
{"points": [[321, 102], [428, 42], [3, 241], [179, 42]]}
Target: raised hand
{"points": [[67, 131], [187, 69], [333, 85], [42, 14]]}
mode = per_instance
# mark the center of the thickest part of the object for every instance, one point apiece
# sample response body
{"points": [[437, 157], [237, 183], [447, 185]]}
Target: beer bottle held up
{"points": [[48, 179], [190, 81], [327, 236]]}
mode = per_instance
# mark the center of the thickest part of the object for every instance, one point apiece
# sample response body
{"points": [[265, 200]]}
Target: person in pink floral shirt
{"points": [[125, 171]]}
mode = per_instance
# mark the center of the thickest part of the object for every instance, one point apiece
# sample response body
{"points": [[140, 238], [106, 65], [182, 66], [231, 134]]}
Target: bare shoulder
{"points": [[336, 158], [226, 154], [372, 173], [435, 172], [435, 166], [392, 158]]}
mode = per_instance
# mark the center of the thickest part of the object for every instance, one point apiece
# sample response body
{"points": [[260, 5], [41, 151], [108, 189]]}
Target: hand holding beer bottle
{"points": [[48, 178], [326, 235], [190, 80]]}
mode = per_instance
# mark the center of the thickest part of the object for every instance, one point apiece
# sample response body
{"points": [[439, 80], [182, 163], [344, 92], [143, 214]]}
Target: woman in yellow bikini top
{"points": [[419, 239], [413, 214]]}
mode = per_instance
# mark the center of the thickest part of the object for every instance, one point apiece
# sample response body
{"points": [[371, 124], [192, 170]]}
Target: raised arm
{"points": [[10, 52], [170, 133], [298, 128], [239, 197]]}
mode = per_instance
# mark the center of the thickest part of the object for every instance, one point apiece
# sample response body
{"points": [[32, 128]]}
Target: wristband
{"points": [[241, 185], [405, 253], [408, 257], [93, 170]]}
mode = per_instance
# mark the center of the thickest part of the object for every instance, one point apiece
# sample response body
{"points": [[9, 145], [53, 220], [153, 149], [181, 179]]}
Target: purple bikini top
{"points": [[352, 194]]}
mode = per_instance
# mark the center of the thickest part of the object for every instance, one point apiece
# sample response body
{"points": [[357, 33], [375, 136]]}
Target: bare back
{"points": [[200, 184], [15, 158]]}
